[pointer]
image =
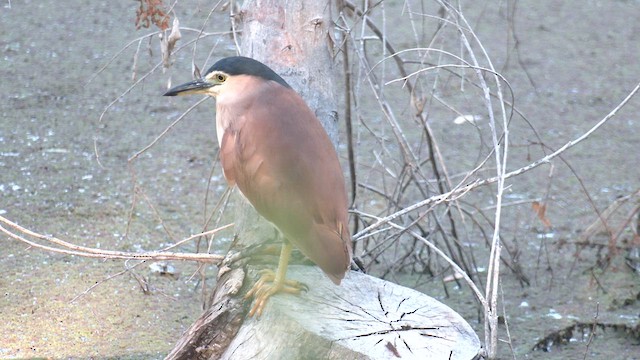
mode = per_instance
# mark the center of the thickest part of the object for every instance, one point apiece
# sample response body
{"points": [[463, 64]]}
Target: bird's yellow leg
{"points": [[271, 283]]}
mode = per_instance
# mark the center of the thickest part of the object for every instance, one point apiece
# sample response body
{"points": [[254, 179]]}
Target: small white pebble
{"points": [[471, 119]]}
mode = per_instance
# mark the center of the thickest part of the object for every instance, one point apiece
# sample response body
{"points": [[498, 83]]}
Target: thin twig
{"points": [[429, 244], [468, 187], [592, 334], [167, 129], [72, 249]]}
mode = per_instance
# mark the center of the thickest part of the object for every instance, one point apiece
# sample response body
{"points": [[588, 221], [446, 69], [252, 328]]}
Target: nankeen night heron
{"points": [[275, 150]]}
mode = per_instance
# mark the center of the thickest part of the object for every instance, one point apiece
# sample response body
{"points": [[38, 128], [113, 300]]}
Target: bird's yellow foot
{"points": [[268, 285]]}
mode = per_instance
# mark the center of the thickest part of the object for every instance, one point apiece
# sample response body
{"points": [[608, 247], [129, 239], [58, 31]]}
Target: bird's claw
{"points": [[266, 286]]}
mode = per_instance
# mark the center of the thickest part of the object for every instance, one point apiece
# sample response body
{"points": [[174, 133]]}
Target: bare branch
{"points": [[72, 249]]}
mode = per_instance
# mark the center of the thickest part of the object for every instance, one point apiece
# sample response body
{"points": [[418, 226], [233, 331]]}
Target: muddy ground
{"points": [[581, 55]]}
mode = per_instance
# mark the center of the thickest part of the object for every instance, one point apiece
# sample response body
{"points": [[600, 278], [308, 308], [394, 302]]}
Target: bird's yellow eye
{"points": [[221, 78]]}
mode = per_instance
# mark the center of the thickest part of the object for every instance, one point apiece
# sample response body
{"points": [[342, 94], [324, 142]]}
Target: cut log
{"points": [[363, 318]]}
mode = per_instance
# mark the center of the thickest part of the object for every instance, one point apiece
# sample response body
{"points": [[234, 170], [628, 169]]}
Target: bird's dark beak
{"points": [[193, 87]]}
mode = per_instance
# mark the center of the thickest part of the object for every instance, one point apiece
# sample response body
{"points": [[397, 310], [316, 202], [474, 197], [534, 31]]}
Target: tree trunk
{"points": [[364, 318], [292, 37]]}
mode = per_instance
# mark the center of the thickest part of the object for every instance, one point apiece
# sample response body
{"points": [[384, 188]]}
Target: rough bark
{"points": [[364, 318]]}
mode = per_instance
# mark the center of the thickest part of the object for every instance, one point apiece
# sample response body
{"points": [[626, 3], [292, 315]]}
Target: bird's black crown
{"points": [[240, 65]]}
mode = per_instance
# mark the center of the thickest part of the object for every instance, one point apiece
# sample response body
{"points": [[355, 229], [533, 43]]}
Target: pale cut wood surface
{"points": [[364, 318]]}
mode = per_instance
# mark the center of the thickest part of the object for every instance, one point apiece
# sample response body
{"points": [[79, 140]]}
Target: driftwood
{"points": [[364, 318]]}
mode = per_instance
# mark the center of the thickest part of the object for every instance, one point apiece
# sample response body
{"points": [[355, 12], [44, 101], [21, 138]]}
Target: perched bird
{"points": [[275, 150]]}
